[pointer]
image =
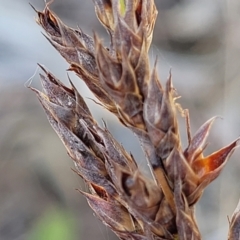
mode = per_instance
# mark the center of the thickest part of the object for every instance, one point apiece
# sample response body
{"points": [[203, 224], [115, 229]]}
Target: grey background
{"points": [[198, 40]]}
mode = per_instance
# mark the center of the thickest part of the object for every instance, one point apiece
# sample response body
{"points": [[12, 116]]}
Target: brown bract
{"points": [[131, 204]]}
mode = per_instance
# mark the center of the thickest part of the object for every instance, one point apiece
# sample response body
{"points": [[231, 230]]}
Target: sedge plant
{"points": [[134, 206]]}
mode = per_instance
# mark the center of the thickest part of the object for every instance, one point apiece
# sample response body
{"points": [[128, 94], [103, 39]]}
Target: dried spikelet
{"points": [[234, 228], [132, 205]]}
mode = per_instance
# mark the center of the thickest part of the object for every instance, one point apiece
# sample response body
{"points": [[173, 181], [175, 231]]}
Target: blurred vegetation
{"points": [[54, 224]]}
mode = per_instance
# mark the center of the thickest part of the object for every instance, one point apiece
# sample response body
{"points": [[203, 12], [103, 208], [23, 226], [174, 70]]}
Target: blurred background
{"points": [[198, 40]]}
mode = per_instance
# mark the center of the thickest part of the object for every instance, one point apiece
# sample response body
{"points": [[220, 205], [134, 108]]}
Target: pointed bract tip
{"points": [[43, 68], [33, 8], [48, 3]]}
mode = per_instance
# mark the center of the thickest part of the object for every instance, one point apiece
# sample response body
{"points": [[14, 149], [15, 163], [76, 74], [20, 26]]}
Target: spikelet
{"points": [[132, 205], [234, 228]]}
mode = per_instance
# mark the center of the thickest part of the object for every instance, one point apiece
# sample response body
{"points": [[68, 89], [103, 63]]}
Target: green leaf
{"points": [[122, 7], [55, 224]]}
